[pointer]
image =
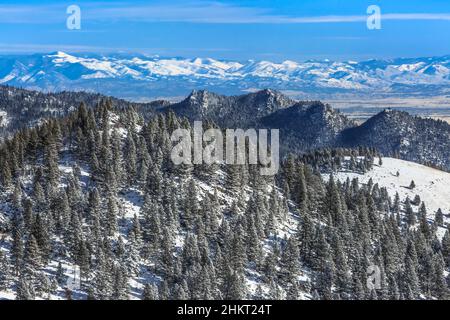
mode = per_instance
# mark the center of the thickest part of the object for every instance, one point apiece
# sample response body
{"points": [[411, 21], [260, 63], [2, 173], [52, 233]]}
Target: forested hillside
{"points": [[96, 190], [304, 125], [20, 108]]}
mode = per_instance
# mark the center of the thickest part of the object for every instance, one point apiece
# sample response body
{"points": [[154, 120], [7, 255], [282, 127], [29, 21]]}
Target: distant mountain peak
{"points": [[59, 54], [269, 92], [390, 113], [199, 93]]}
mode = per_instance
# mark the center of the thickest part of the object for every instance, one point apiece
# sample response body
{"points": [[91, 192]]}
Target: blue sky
{"points": [[240, 30]]}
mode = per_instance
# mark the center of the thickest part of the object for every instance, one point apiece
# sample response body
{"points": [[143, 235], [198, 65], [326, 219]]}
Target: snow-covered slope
{"points": [[3, 118], [433, 186], [133, 220], [60, 70], [130, 204]]}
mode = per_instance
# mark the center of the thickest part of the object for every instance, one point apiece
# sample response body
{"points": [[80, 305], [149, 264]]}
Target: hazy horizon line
{"points": [[108, 53]]}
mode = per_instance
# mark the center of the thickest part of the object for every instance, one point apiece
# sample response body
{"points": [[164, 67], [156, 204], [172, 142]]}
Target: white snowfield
{"points": [[432, 185], [4, 120]]}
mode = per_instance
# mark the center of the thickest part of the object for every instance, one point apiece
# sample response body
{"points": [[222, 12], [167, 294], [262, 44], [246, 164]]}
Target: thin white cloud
{"points": [[26, 14], [416, 16], [31, 47], [80, 48], [214, 12], [357, 18], [193, 12], [222, 13]]}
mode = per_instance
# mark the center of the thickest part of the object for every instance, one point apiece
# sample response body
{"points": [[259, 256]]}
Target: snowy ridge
{"points": [[60, 70], [4, 120]]}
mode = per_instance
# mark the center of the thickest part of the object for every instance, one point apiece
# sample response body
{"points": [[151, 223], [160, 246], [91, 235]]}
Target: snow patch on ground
{"points": [[432, 185], [4, 120]]}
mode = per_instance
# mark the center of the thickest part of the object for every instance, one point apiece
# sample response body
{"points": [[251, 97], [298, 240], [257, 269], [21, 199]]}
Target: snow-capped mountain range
{"points": [[145, 77]]}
